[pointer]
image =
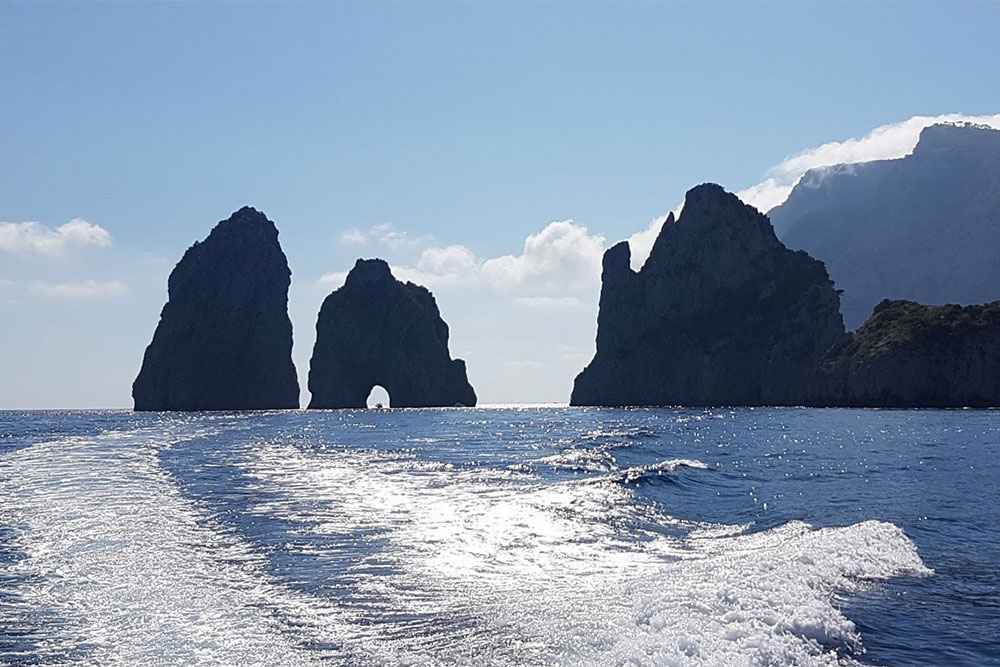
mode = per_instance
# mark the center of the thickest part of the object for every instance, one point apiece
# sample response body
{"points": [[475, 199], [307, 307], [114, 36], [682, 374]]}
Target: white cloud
{"points": [[768, 193], [384, 235], [883, 143], [453, 259], [560, 255], [17, 237], [89, 289], [549, 302], [353, 237], [640, 244], [562, 258], [333, 280], [430, 280]]}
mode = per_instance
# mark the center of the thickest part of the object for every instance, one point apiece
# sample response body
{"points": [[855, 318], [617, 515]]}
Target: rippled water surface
{"points": [[519, 536]]}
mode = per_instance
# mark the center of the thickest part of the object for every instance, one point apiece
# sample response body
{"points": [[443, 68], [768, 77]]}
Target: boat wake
{"points": [[375, 558]]}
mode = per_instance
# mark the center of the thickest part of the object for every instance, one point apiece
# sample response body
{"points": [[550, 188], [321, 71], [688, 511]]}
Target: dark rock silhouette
{"points": [[376, 330], [911, 355], [720, 314], [224, 340], [925, 227]]}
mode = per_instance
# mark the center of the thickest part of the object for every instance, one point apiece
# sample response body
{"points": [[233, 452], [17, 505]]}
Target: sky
{"points": [[488, 151]]}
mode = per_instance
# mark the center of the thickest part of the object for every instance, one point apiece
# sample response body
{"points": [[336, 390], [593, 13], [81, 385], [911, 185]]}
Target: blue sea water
{"points": [[500, 536]]}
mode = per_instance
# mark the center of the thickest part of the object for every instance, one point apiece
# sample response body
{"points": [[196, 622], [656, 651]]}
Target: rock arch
{"points": [[376, 330], [379, 397]]}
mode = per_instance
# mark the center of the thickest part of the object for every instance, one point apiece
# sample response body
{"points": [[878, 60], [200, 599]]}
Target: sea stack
{"points": [[911, 355], [376, 330], [722, 313], [224, 340]]}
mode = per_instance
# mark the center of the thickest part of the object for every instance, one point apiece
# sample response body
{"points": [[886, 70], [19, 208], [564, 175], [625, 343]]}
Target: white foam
{"points": [[113, 550], [566, 574], [457, 566], [761, 599], [580, 459], [636, 473]]}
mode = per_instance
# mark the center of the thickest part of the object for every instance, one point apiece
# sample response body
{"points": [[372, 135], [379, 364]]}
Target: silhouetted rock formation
{"points": [[720, 314], [924, 227], [376, 330], [911, 355], [224, 340]]}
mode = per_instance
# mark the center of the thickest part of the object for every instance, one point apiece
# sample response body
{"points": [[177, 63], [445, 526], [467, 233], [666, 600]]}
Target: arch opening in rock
{"points": [[378, 398], [378, 330]]}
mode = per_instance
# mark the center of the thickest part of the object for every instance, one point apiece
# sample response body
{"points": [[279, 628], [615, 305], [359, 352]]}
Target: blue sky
{"points": [[440, 136]]}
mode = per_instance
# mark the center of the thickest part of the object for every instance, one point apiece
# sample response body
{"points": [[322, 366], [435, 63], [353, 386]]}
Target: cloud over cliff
{"points": [[883, 143]]}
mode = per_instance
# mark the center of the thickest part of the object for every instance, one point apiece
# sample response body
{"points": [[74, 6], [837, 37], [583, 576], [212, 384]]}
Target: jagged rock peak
{"points": [[709, 211], [245, 221], [720, 314], [224, 340], [248, 214], [618, 257], [710, 205], [370, 270], [376, 330]]}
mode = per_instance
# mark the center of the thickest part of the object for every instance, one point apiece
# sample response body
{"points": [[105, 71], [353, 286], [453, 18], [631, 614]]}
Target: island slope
{"points": [[912, 355]]}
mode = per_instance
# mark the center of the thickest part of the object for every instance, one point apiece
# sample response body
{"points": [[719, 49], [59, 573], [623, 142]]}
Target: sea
{"points": [[501, 536]]}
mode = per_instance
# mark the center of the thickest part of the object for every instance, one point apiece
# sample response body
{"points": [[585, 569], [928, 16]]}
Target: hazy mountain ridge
{"points": [[925, 227]]}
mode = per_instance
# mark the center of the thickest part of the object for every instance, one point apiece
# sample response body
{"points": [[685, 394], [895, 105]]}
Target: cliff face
{"points": [[911, 355], [224, 340], [720, 314], [925, 227], [376, 330]]}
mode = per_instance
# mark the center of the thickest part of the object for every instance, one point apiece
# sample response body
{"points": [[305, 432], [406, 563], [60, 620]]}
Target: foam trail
{"points": [[128, 566], [566, 573], [449, 565]]}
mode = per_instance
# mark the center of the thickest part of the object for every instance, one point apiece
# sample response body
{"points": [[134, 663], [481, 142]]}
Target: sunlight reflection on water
{"points": [[423, 537]]}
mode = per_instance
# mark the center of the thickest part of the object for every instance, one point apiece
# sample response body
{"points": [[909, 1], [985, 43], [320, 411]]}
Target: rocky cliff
{"points": [[721, 313], [376, 330], [224, 340], [925, 227], [912, 355]]}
